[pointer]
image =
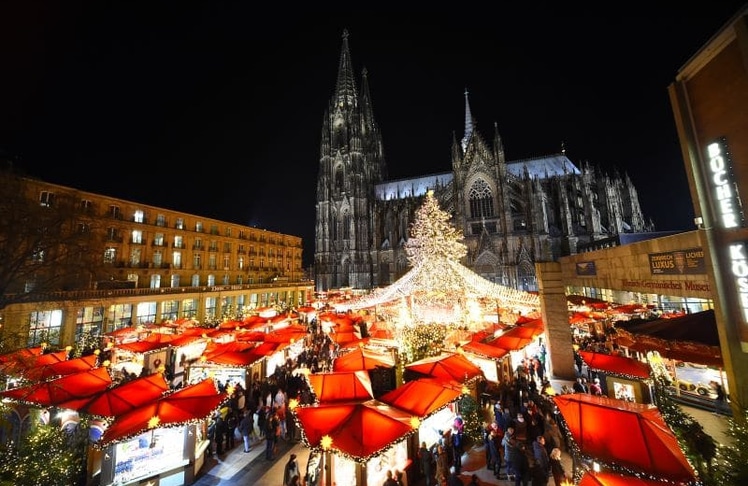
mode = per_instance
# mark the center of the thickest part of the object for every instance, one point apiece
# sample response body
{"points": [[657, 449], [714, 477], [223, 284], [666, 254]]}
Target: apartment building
{"points": [[156, 265]]}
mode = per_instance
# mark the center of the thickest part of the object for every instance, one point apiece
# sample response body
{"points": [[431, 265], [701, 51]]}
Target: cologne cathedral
{"points": [[512, 213]]}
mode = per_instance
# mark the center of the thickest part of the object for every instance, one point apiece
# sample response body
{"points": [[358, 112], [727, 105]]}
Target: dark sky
{"points": [[216, 109]]}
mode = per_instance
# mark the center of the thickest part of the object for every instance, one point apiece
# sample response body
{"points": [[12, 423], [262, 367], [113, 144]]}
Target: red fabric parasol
{"points": [[359, 430], [618, 365], [362, 359], [233, 355], [611, 479], [341, 386], [123, 398], [423, 397], [56, 392], [627, 434], [193, 402], [449, 366]]}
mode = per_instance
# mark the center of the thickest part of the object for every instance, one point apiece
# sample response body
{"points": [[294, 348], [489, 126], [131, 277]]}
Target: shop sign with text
{"points": [[681, 262]]}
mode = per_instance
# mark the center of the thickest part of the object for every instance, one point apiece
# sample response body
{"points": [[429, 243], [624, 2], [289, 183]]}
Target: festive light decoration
{"points": [[326, 442], [293, 403], [415, 422], [153, 422]]}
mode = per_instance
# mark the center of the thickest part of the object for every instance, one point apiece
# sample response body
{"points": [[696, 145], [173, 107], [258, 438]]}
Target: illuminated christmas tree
{"points": [[432, 237]]}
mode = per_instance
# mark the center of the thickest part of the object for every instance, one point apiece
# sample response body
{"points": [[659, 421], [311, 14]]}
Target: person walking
{"points": [[542, 468], [557, 467], [246, 429], [426, 464], [220, 432], [521, 465], [719, 401], [291, 470]]}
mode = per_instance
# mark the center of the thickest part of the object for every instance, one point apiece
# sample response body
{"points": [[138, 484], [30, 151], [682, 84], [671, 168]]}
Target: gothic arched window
{"points": [[334, 228], [346, 226], [481, 200], [339, 179]]}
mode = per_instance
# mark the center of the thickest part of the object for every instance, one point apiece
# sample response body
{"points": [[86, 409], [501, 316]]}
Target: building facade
{"points": [[155, 265], [511, 213], [709, 97]]}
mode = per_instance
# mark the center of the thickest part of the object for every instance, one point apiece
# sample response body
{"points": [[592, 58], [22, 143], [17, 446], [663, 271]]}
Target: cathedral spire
{"points": [[345, 89], [468, 123]]}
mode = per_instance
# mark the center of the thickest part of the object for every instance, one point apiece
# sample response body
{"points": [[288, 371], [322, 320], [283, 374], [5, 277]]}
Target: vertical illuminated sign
{"points": [[728, 209], [729, 215]]}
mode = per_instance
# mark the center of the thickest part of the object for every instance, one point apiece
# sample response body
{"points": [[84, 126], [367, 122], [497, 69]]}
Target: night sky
{"points": [[217, 109]]}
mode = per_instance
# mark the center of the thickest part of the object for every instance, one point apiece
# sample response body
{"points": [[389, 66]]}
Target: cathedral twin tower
{"points": [[511, 213]]}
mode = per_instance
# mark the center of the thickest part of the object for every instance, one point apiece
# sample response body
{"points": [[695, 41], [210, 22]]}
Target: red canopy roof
{"points": [[613, 364], [341, 386], [22, 360], [611, 479], [362, 359], [61, 368], [447, 366], [358, 430], [57, 392], [423, 397], [627, 434], [122, 398], [193, 402], [484, 349]]}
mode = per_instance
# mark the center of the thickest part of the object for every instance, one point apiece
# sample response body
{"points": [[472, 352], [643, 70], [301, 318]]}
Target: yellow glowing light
{"points": [[106, 363], [68, 348], [110, 345], [415, 422], [97, 352], [465, 390], [203, 359], [153, 422], [205, 336], [326, 442], [230, 389], [293, 403], [460, 351]]}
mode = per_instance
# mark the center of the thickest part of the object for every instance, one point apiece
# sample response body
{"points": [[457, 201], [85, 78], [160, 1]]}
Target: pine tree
{"points": [[432, 237]]}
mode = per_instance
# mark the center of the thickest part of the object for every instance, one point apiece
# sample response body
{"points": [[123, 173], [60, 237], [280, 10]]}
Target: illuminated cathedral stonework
{"points": [[511, 213]]}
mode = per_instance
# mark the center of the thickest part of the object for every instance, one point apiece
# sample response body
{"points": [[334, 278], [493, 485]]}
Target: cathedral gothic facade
{"points": [[511, 213]]}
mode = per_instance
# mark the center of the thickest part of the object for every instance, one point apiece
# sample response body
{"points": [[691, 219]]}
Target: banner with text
{"points": [[681, 262]]}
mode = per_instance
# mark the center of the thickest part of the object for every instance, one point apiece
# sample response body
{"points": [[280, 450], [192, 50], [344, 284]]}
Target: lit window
{"points": [[138, 217]]}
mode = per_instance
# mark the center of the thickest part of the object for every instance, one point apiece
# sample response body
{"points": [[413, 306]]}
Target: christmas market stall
{"points": [[620, 377], [622, 437], [359, 442]]}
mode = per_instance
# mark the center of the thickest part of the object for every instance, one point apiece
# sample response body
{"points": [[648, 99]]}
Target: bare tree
{"points": [[46, 246]]}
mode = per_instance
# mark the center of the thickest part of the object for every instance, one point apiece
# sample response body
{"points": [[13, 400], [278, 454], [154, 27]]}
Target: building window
{"points": [[179, 224], [139, 216], [481, 200], [146, 313], [44, 327], [226, 262], [84, 228], [135, 255], [89, 323], [86, 205], [346, 226], [213, 229], [115, 212], [110, 254], [210, 307], [229, 231], [158, 258], [118, 316], [158, 239], [212, 263], [160, 220], [227, 247], [175, 281], [137, 237], [178, 242], [196, 280], [176, 259], [211, 280], [47, 199], [240, 263], [170, 310], [197, 260], [155, 281], [199, 227]]}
